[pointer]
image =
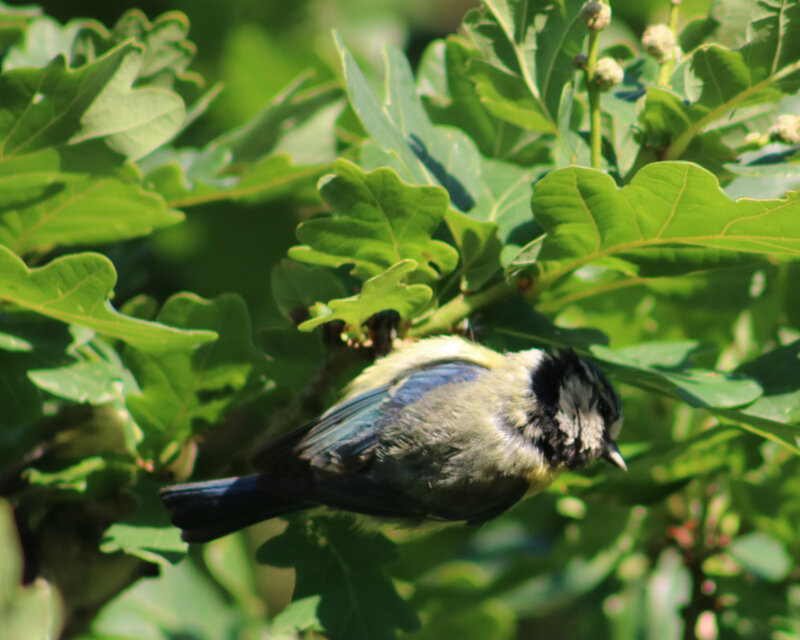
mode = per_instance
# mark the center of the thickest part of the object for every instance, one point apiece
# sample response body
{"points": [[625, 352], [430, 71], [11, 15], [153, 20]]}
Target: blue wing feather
{"points": [[348, 430], [351, 429]]}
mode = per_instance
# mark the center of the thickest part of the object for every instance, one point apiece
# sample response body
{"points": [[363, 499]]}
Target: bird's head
{"points": [[577, 415]]}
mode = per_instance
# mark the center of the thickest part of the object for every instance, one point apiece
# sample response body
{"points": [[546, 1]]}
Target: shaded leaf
{"points": [[296, 287], [479, 246], [544, 593], [183, 390], [344, 567], [31, 611]]}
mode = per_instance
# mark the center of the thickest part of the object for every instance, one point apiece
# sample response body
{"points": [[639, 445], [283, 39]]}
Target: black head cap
{"points": [[577, 414]]}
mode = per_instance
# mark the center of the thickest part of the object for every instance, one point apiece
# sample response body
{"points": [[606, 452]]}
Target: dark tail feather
{"points": [[209, 510]]}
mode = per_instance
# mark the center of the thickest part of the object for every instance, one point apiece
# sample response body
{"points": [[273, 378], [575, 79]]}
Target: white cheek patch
{"points": [[577, 417]]}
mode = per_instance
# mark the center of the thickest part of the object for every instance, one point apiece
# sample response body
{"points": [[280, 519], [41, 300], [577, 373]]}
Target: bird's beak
{"points": [[613, 456]]}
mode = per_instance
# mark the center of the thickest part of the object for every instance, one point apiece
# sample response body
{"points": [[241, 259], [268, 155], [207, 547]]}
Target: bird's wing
{"points": [[341, 440]]}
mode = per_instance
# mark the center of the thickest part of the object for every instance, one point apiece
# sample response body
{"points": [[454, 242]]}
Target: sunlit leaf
{"points": [[76, 289], [378, 220], [672, 218], [380, 293]]}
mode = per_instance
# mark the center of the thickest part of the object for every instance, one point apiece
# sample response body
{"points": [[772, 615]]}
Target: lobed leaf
{"points": [[528, 49], [380, 293], [766, 68], [85, 210], [427, 154], [133, 122], [357, 600], [76, 289], [186, 387], [378, 221], [167, 51], [672, 218]]}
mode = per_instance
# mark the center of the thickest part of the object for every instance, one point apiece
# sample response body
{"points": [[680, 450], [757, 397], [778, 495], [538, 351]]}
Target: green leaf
{"points": [[44, 39], [133, 122], [295, 109], [529, 49], [55, 105], [380, 293], [74, 478], [763, 70], [76, 289], [507, 97], [167, 52], [672, 218], [31, 611], [300, 615], [84, 210], [297, 287], [581, 575], [344, 567], [378, 220], [190, 178], [281, 151], [428, 155], [46, 344], [479, 247], [506, 197], [662, 366], [184, 388], [146, 533], [776, 413], [92, 382], [11, 342], [762, 555]]}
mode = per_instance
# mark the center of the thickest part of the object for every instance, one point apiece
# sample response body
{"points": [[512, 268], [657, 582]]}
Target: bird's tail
{"points": [[209, 510]]}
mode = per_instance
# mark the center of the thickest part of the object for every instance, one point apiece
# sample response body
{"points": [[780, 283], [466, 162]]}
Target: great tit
{"points": [[443, 430]]}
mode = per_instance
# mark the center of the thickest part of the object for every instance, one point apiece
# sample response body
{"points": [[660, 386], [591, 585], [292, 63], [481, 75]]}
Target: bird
{"points": [[444, 430]]}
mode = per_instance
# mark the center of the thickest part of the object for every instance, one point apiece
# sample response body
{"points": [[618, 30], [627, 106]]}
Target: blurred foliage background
{"points": [[699, 539]]}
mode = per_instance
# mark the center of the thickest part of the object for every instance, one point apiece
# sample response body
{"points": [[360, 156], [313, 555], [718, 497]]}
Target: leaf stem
{"points": [[665, 71], [595, 114], [460, 307]]}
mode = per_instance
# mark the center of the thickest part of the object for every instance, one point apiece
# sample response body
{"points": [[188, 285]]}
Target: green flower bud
{"points": [[659, 42], [607, 73], [595, 16]]}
